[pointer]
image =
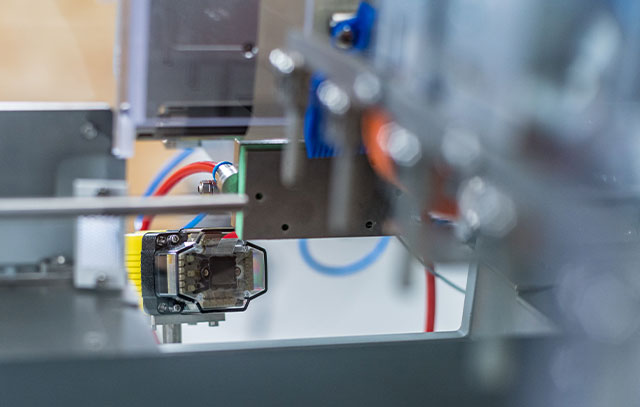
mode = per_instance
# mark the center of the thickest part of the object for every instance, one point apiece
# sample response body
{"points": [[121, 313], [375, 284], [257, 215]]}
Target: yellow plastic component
{"points": [[132, 258]]}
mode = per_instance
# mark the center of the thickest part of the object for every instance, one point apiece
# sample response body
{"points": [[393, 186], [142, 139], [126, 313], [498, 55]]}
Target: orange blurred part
{"points": [[375, 135]]}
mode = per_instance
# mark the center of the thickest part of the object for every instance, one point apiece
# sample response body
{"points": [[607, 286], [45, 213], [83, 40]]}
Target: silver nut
{"points": [[176, 308], [333, 98], [174, 239], [206, 187]]}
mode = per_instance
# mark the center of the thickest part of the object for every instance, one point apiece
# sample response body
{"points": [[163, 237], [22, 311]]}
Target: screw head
{"points": [[174, 239], [176, 308], [333, 98], [205, 272], [238, 271], [345, 37], [161, 240], [89, 131], [162, 307]]}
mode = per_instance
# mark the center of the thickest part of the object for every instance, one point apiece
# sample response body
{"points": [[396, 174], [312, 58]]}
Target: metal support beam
{"points": [[118, 205]]}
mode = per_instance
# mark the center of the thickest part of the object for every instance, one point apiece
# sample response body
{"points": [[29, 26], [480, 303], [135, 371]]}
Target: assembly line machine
{"points": [[494, 133]]}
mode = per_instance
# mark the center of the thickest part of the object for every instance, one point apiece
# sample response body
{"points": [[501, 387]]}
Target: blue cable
{"points": [[345, 270], [194, 222], [162, 174], [166, 169]]}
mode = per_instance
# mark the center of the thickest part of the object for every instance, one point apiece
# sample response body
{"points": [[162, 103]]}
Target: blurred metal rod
{"points": [[172, 333], [119, 205], [290, 170]]}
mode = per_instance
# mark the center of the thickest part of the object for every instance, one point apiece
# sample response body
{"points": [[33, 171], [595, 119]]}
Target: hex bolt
{"points": [[174, 239], [205, 272], [238, 271], [206, 186], [176, 308]]}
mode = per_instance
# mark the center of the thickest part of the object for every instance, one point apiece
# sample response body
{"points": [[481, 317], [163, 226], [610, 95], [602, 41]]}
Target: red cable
{"points": [[179, 175], [431, 301]]}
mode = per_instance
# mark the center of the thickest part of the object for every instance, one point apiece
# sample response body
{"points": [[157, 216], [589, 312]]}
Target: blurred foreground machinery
{"points": [[496, 133]]}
